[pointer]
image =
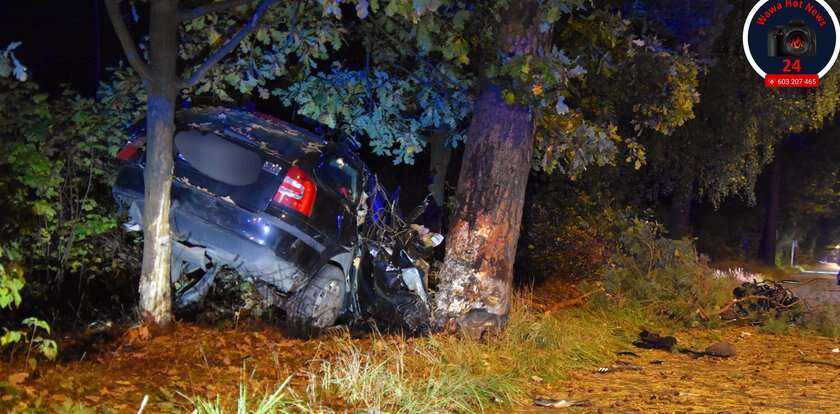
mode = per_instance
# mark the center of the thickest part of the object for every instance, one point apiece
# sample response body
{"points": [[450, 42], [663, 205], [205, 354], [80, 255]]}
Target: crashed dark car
{"points": [[289, 212]]}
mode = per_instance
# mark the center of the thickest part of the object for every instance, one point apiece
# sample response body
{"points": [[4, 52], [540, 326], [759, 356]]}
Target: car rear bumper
{"points": [[259, 246]]}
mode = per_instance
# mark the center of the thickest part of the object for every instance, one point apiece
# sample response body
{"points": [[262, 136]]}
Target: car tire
{"points": [[318, 305]]}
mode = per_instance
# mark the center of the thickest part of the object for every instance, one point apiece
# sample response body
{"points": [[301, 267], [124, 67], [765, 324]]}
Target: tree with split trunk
{"points": [[162, 83]]}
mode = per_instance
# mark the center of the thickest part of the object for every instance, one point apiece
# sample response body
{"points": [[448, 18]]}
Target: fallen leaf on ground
{"points": [[17, 378]]}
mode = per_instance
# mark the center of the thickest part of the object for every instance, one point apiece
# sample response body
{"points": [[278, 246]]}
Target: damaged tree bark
{"points": [[476, 280], [155, 289]]}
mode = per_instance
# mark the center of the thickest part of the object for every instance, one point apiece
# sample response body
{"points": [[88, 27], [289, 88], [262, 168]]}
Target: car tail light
{"points": [[132, 149], [297, 191]]}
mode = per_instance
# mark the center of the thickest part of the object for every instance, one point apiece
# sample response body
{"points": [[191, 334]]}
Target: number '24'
{"points": [[792, 66]]}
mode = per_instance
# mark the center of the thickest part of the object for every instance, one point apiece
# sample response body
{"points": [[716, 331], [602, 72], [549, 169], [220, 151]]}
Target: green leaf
{"points": [[10, 337], [36, 323]]}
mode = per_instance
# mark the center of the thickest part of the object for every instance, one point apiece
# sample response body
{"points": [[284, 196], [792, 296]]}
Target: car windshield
{"points": [[341, 176]]}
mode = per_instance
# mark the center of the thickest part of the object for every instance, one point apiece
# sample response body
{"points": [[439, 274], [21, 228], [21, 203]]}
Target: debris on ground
{"points": [[756, 300], [648, 340], [620, 366], [552, 403], [721, 349], [819, 362], [627, 353], [758, 380]]}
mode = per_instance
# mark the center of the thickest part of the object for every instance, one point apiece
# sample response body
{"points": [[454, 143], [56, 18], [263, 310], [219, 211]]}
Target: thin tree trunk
{"points": [[767, 248], [474, 293], [155, 290], [679, 220], [440, 155]]}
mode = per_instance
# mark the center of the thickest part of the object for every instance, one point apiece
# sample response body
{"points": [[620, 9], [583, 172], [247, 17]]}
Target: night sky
{"points": [[64, 41]]}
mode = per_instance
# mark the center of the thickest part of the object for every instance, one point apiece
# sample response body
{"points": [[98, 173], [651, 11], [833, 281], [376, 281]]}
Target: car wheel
{"points": [[318, 305]]}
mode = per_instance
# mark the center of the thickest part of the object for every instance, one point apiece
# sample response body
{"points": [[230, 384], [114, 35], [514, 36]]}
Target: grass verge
{"points": [[446, 374]]}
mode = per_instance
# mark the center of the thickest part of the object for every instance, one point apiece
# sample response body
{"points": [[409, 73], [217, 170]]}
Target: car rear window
{"points": [[339, 174], [218, 158]]}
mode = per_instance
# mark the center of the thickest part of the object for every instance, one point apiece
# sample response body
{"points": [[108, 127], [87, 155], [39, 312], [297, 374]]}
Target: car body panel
{"points": [[238, 225]]}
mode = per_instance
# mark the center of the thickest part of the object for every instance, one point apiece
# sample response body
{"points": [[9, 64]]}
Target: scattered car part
{"points": [[552, 403], [620, 366], [720, 349], [648, 340]]}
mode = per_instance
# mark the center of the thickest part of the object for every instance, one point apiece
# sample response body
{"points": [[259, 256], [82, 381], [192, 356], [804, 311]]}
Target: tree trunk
{"points": [[767, 249], [155, 290], [440, 155], [679, 220], [476, 280]]}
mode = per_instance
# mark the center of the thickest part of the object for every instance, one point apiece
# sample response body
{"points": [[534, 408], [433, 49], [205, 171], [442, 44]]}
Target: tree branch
{"points": [[211, 8], [128, 45], [229, 46]]}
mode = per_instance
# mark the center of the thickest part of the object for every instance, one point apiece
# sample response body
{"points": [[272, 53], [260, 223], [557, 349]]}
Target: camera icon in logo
{"points": [[795, 39]]}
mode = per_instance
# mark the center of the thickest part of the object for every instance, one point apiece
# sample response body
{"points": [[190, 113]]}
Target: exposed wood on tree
{"points": [[477, 274], [155, 289]]}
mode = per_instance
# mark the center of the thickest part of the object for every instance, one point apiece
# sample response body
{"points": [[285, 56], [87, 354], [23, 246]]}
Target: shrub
{"points": [[11, 283], [666, 276], [56, 166], [566, 234]]}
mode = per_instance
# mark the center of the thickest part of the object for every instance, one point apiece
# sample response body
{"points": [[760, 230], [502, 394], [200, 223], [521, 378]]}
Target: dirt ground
{"points": [[767, 375], [117, 369], [190, 361]]}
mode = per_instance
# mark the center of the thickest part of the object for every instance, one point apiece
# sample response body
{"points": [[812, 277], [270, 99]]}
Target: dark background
{"points": [[64, 41]]}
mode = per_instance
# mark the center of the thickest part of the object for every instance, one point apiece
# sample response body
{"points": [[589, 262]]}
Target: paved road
{"points": [[818, 285]]}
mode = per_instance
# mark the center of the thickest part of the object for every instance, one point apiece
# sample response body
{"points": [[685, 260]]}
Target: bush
{"points": [[666, 276], [11, 283], [566, 234], [56, 168]]}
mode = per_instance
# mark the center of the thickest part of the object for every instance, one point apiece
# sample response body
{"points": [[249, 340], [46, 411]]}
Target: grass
{"points": [[441, 373], [821, 320], [446, 374], [281, 401]]}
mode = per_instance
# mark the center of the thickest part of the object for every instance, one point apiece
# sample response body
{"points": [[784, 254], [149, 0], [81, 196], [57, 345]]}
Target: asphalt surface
{"points": [[818, 285]]}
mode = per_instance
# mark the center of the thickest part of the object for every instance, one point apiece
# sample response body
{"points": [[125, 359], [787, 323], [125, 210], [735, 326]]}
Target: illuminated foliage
{"points": [[398, 70]]}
